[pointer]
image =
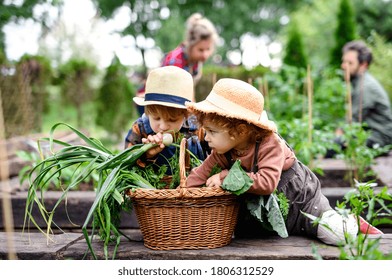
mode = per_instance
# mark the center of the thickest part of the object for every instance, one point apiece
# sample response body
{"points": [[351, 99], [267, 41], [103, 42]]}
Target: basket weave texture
{"points": [[185, 218]]}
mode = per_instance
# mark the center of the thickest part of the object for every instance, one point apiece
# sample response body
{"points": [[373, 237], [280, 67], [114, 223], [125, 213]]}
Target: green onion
{"points": [[115, 177]]}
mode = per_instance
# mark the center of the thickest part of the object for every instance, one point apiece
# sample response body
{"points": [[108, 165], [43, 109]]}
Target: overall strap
{"points": [[277, 133], [254, 166], [229, 159]]}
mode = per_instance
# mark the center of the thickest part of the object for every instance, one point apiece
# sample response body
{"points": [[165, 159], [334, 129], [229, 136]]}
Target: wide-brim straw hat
{"points": [[235, 99], [168, 86]]}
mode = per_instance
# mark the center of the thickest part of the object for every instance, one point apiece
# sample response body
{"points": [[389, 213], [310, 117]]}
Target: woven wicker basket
{"points": [[185, 218]]}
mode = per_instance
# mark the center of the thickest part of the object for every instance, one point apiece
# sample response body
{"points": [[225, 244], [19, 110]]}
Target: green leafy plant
{"points": [[237, 181], [356, 154], [33, 159], [215, 170], [376, 206], [115, 177], [294, 133], [271, 210], [370, 200], [112, 106], [157, 176], [268, 211], [150, 174], [284, 203]]}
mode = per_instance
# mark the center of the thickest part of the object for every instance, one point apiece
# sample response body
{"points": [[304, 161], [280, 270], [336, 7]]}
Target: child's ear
{"points": [[242, 129]]}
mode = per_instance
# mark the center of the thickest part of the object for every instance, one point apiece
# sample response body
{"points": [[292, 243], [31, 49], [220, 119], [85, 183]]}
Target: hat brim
{"points": [[141, 102], [207, 107]]}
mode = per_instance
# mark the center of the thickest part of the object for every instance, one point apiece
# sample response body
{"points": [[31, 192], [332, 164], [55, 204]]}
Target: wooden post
{"points": [[361, 92], [261, 89], [310, 112], [266, 93], [353, 170], [213, 79], [348, 95], [310, 101]]}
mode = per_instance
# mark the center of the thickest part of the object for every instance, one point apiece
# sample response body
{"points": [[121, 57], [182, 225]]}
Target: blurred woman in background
{"points": [[197, 47]]}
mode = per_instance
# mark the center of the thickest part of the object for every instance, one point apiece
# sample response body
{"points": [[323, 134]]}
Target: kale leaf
{"points": [[237, 181]]}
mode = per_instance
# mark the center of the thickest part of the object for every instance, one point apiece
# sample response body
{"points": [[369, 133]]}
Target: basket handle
{"points": [[182, 163]]}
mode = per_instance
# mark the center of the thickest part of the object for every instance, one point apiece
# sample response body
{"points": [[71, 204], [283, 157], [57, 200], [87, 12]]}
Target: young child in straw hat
{"points": [[237, 127], [167, 90]]}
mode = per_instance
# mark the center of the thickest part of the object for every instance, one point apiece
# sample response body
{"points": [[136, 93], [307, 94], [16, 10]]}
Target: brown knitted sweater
{"points": [[273, 157]]}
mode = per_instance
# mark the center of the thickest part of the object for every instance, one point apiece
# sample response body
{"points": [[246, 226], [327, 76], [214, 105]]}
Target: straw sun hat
{"points": [[236, 99], [169, 86]]}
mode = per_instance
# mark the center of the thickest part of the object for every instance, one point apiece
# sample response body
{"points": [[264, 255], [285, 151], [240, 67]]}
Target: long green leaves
{"points": [[89, 141], [115, 177]]}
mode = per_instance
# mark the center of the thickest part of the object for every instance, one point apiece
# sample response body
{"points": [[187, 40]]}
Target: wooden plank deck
{"points": [[72, 245]]}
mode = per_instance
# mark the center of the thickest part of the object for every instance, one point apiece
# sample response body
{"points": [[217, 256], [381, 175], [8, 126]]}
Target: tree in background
{"points": [[23, 87], [168, 40], [294, 51], [3, 58], [381, 66], [115, 109], [151, 19], [374, 16], [75, 79], [37, 72], [345, 31], [232, 19], [145, 20], [317, 21], [14, 11]]}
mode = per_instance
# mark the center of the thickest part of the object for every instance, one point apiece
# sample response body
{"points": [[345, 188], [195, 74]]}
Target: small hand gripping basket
{"points": [[185, 218]]}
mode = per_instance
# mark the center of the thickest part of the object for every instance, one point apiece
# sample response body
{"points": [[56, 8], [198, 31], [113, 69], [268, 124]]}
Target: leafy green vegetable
{"points": [[237, 181], [115, 177], [266, 210], [284, 203], [275, 217], [153, 175], [271, 210], [116, 174], [215, 170], [157, 175], [255, 206]]}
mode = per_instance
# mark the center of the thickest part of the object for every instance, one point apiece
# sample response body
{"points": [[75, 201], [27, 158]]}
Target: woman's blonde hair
{"points": [[199, 28]]}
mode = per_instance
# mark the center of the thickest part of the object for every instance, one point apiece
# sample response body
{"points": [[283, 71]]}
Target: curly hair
{"points": [[255, 133]]}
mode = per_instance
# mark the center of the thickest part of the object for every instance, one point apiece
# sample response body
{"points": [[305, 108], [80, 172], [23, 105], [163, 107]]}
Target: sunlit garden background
{"points": [[80, 62], [290, 50]]}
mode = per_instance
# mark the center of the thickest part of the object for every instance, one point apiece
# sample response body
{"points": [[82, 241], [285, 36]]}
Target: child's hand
{"points": [[156, 139], [214, 180]]}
